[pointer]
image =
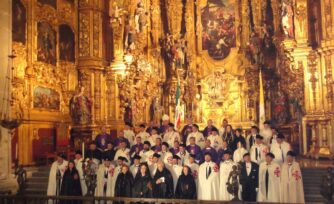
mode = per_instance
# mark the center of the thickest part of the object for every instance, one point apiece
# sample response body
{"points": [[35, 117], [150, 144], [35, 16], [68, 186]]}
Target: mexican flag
{"points": [[178, 110]]}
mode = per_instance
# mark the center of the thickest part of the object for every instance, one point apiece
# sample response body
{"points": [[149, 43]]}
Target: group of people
{"points": [[160, 162]]}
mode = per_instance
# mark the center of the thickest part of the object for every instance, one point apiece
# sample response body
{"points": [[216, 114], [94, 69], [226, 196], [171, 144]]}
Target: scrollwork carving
{"points": [[84, 34], [46, 13]]}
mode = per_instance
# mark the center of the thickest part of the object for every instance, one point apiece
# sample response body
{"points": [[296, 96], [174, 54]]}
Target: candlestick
{"points": [[83, 148]]}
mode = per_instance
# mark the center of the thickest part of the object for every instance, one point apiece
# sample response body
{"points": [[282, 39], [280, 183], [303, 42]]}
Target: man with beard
{"points": [[124, 183], [146, 154], [186, 186], [249, 179], [163, 182]]}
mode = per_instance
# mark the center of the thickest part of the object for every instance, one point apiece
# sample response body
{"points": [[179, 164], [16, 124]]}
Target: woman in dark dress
{"points": [[163, 183], [186, 186], [71, 184], [228, 136], [143, 183], [124, 183]]}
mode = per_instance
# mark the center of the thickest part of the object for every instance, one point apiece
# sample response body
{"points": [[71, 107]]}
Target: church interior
{"points": [[70, 69]]}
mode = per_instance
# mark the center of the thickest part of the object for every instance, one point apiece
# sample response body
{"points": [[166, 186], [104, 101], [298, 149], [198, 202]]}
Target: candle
{"points": [[83, 149]]}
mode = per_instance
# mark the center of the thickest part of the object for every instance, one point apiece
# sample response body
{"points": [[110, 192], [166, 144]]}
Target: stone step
{"points": [[37, 185], [40, 174], [38, 179], [35, 191]]}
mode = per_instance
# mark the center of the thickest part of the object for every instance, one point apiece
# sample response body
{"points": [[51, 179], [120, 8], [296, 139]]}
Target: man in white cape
{"points": [[224, 172], [57, 171], [292, 181], [176, 170], [280, 149], [269, 180], [78, 165], [208, 179], [105, 185], [259, 150], [239, 153]]}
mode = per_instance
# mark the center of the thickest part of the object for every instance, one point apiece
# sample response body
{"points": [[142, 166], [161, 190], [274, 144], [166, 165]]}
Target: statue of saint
{"points": [[156, 110], [80, 108]]}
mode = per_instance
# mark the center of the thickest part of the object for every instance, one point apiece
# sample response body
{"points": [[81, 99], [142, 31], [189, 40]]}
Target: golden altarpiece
{"points": [[121, 60]]}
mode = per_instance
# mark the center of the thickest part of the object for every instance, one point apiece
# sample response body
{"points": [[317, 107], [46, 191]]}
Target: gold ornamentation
{"points": [[84, 34], [65, 13], [96, 33], [328, 18], [312, 68], [20, 61], [174, 16], [46, 13]]}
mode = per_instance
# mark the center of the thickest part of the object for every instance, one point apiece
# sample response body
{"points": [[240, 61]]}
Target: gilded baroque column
{"points": [[245, 23], [174, 16], [92, 57]]}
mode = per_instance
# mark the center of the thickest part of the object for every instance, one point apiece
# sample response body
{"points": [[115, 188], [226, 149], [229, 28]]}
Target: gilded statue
{"points": [[80, 108]]}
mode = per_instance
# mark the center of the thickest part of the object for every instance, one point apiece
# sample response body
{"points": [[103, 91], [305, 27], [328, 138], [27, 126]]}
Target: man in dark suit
{"points": [[249, 179]]}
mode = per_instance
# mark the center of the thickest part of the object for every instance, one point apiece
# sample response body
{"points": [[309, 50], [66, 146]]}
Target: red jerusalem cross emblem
{"points": [[296, 174], [277, 172]]}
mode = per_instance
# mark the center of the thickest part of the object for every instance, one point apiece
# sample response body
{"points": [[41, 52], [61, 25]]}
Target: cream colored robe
{"points": [[292, 184], [274, 184], [208, 188]]}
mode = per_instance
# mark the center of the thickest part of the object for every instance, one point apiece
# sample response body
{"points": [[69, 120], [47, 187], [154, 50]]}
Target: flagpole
{"points": [[262, 115]]}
